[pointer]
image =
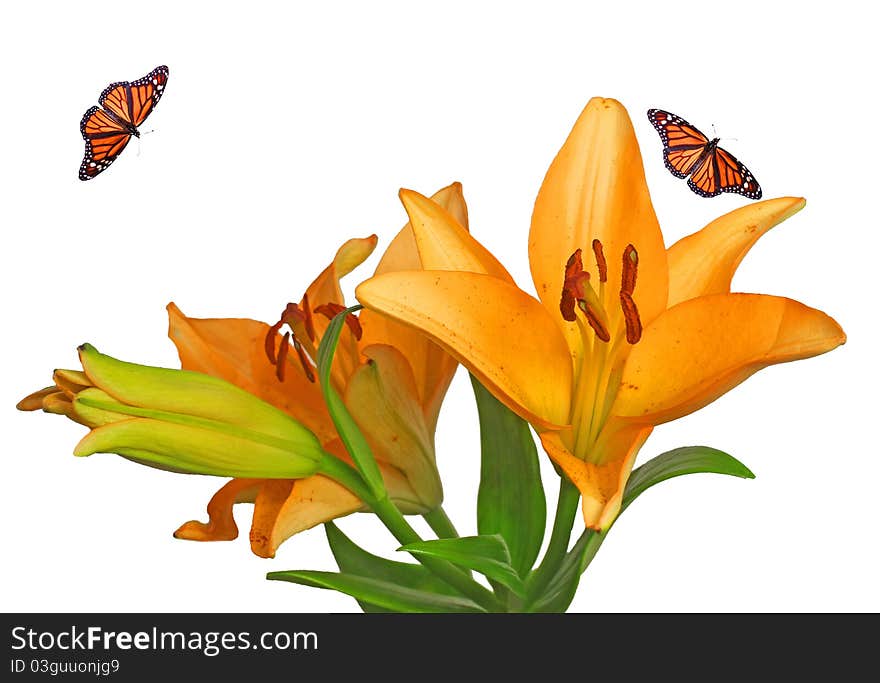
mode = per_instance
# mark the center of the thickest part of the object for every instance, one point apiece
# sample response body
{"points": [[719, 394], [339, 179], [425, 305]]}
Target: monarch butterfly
{"points": [[712, 169], [125, 107]]}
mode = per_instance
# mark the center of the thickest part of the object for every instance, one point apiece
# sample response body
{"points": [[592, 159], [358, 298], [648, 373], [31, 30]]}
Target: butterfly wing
{"points": [[704, 179], [105, 139], [681, 162], [733, 176], [683, 144], [133, 102]]}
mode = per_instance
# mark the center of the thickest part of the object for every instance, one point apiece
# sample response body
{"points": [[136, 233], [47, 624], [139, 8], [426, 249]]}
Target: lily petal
{"points": [[284, 508], [84, 413], [384, 401], [596, 189], [60, 404], [325, 288], [71, 382], [432, 367], [702, 348], [403, 252], [34, 401], [500, 333], [443, 244], [232, 349], [601, 485], [399, 489], [221, 524], [704, 262]]}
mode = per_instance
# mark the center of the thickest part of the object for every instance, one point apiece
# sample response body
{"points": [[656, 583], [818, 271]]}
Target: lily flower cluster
{"points": [[332, 409]]}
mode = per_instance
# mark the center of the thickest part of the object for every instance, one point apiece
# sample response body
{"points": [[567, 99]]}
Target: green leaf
{"points": [[675, 463], [351, 435], [485, 554], [511, 499], [381, 593], [352, 559]]}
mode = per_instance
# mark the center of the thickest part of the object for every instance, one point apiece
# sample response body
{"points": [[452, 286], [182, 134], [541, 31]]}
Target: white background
{"points": [[286, 129]]}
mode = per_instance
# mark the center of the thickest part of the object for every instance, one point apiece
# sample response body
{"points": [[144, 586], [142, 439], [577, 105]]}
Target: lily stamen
{"points": [[298, 317], [631, 317], [331, 310], [627, 287], [281, 361], [269, 342], [307, 318], [292, 315], [577, 289], [304, 360], [595, 317], [630, 269], [601, 264], [573, 287]]}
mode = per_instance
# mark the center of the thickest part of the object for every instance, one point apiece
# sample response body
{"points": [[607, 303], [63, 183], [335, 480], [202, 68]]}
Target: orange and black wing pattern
{"points": [[133, 102], [688, 152], [683, 144], [107, 130], [733, 176], [105, 138], [704, 179], [720, 171]]}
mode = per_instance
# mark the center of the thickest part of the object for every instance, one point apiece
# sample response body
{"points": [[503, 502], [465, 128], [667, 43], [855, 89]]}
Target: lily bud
{"points": [[178, 420]]}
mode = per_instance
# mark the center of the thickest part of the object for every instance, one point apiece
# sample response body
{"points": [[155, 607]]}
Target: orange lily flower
{"points": [[392, 379], [624, 334]]}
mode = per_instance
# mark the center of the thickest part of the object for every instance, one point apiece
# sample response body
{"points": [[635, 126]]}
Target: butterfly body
{"points": [[688, 152], [108, 128]]}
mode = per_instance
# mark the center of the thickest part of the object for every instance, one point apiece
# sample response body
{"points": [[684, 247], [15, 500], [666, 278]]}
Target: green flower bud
{"points": [[178, 420]]}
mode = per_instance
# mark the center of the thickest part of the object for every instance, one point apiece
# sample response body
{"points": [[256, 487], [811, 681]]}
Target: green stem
{"points": [[440, 523], [346, 475], [566, 509], [588, 544], [590, 541], [393, 519], [455, 577]]}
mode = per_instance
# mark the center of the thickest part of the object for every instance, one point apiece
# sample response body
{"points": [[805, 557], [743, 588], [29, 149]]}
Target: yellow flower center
{"points": [[606, 337]]}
